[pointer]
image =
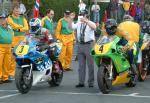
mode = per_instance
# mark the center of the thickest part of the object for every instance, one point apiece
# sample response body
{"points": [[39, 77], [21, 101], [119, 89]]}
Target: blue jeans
{"points": [[96, 17]]}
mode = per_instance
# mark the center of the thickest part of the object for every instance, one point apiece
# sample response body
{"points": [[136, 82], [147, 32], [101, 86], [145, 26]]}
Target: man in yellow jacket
{"points": [[126, 6], [20, 27], [6, 35], [66, 36]]}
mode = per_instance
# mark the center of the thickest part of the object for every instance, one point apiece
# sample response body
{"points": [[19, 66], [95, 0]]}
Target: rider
{"points": [[128, 31], [42, 35], [145, 28]]}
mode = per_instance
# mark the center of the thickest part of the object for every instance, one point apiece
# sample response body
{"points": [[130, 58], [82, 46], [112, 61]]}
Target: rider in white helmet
{"points": [[37, 31], [42, 35]]}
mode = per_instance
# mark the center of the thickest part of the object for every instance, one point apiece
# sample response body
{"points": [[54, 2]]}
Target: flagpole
{"points": [[36, 8]]}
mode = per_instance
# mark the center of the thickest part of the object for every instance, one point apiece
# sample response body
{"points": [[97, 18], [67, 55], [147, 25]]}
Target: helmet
{"points": [[127, 18], [145, 26], [111, 26], [35, 25], [3, 14]]}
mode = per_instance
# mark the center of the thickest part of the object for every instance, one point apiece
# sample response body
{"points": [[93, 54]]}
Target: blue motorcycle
{"points": [[36, 65]]}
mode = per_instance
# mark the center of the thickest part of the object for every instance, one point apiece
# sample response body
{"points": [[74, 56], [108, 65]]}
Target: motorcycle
{"points": [[35, 65], [143, 62], [113, 67]]}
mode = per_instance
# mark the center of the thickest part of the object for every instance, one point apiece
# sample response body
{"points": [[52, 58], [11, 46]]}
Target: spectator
{"points": [[47, 21], [6, 35], [1, 5], [138, 17], [147, 10], [67, 37], [133, 10], [113, 7], [82, 6], [20, 27], [85, 36], [96, 12], [22, 8], [126, 6], [120, 12], [142, 3]]}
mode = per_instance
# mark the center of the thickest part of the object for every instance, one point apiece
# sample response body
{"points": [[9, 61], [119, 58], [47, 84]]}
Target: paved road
{"points": [[67, 93]]}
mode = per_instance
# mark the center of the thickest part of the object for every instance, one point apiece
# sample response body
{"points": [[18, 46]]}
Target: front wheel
{"points": [[22, 79], [104, 83], [57, 74]]}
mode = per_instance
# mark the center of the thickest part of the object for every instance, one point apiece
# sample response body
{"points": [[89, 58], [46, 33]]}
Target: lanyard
{"points": [[82, 28]]}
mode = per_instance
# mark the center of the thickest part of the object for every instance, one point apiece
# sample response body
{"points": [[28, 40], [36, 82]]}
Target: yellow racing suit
{"points": [[6, 35], [67, 37], [20, 28]]}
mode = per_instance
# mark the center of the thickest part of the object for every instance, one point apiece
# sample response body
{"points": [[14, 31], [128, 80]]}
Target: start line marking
{"points": [[118, 95], [136, 95], [7, 96]]}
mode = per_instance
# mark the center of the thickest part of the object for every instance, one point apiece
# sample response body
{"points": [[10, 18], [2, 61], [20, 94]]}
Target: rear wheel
{"points": [[22, 79], [104, 83], [143, 67], [57, 74], [133, 77]]}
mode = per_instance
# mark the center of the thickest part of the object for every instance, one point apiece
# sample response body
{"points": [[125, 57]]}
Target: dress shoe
{"points": [[1, 82], [79, 85], [11, 78], [91, 85], [68, 69], [7, 81]]}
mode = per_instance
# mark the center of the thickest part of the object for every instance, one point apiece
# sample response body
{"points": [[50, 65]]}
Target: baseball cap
{"points": [[67, 12]]}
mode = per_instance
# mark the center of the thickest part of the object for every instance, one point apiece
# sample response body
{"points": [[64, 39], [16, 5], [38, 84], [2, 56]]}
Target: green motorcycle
{"points": [[114, 68]]}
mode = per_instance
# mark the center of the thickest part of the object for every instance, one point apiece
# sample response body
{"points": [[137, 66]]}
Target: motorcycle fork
{"points": [[30, 73], [109, 67], [110, 70]]}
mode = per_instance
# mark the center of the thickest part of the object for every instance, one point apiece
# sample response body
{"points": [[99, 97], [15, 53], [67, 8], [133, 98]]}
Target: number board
{"points": [[22, 50]]}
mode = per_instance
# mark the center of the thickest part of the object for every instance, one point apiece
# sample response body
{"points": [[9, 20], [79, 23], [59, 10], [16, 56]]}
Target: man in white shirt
{"points": [[22, 8], [82, 6], [95, 10], [85, 36]]}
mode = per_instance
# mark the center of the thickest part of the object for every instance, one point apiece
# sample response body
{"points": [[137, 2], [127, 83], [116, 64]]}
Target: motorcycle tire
{"points": [[23, 84], [56, 77], [133, 78], [142, 74], [104, 83]]}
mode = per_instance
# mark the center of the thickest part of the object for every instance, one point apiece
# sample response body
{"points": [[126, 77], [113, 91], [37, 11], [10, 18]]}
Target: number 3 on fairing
{"points": [[21, 50], [101, 48]]}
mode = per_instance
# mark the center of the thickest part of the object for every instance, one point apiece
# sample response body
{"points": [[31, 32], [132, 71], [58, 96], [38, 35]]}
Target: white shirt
{"points": [[82, 6], [95, 8], [22, 9], [89, 32]]}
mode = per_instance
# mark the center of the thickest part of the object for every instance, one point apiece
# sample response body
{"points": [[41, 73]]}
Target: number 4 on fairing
{"points": [[101, 48]]}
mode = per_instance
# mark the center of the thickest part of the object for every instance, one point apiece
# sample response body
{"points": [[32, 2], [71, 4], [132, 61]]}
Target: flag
{"points": [[105, 16], [36, 9]]}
